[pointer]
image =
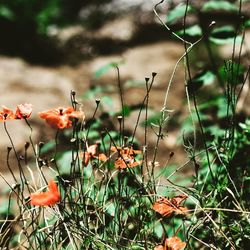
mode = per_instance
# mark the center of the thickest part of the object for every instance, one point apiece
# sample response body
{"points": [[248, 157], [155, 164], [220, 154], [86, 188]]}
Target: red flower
{"points": [[6, 114], [166, 207], [126, 161], [90, 153], [173, 243], [23, 111], [51, 197], [126, 157], [60, 117], [159, 247], [125, 150]]}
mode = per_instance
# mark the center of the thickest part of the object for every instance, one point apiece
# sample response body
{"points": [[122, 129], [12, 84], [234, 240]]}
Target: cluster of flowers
{"points": [[125, 156], [166, 207], [58, 118], [163, 206], [23, 111], [61, 118]]}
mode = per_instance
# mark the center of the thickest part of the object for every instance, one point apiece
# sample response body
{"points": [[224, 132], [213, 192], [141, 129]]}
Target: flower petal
{"points": [[23, 111], [159, 247], [51, 197], [6, 114], [166, 207], [174, 243], [60, 117], [92, 149], [163, 209]]}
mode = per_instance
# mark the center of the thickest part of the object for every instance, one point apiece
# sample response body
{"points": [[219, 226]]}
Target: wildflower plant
{"points": [[215, 100], [103, 200], [97, 187]]}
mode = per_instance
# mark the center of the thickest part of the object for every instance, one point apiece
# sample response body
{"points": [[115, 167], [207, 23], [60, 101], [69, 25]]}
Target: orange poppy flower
{"points": [[126, 162], [126, 157], [51, 197], [173, 243], [23, 111], [125, 150], [166, 207], [101, 157], [91, 153], [6, 114], [60, 117]]}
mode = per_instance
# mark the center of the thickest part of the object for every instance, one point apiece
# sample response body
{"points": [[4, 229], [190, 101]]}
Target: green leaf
{"points": [[96, 90], [243, 125], [192, 31], [222, 108], [6, 12], [218, 102], [232, 72], [153, 119], [105, 68], [108, 104], [177, 12], [222, 112], [187, 126], [158, 230], [47, 16], [247, 23], [93, 134], [125, 111], [137, 247], [5, 208], [102, 70], [165, 171], [64, 162], [214, 130], [211, 103], [88, 172], [206, 77], [224, 35], [106, 140], [48, 146], [110, 209], [92, 92], [219, 5]]}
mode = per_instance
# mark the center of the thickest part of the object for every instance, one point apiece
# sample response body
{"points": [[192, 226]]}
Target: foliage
{"points": [[218, 144]]}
